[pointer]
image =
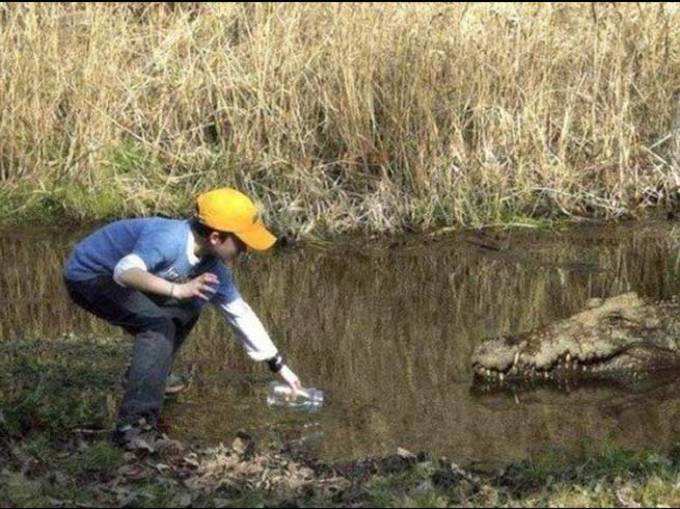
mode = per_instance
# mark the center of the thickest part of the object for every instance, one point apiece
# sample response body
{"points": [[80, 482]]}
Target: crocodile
{"points": [[618, 337]]}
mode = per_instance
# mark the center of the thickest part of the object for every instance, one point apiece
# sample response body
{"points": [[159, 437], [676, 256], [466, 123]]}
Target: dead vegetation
{"points": [[340, 117]]}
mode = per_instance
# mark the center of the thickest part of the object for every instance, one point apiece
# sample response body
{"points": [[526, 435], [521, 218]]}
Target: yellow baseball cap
{"points": [[229, 210]]}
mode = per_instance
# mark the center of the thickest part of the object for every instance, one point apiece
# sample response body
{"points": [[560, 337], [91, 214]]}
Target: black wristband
{"points": [[276, 363]]}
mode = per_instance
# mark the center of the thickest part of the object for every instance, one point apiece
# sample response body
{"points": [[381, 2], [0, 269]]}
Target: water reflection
{"points": [[388, 333]]}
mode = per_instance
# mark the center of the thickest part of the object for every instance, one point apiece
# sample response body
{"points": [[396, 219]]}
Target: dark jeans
{"points": [[160, 326]]}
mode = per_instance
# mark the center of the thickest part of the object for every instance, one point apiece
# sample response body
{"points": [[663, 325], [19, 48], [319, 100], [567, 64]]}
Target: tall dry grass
{"points": [[340, 117]]}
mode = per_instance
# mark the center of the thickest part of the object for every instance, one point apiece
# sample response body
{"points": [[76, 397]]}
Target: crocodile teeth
{"points": [[515, 360], [568, 357]]}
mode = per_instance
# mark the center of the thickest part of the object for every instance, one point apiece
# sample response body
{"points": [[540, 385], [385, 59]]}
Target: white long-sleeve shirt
{"points": [[249, 330]]}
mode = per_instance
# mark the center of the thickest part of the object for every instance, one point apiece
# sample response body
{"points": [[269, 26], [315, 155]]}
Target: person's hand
{"points": [[203, 287], [291, 379]]}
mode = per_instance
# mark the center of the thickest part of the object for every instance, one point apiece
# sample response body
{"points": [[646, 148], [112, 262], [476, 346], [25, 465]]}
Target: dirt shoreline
{"points": [[242, 474], [55, 413]]}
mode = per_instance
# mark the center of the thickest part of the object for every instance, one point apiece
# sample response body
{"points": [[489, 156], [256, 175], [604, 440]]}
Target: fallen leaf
{"points": [[405, 454], [167, 446], [306, 472], [59, 478], [191, 460], [239, 445], [90, 432], [243, 445], [132, 471], [183, 500], [625, 498], [163, 468], [139, 444], [128, 500]]}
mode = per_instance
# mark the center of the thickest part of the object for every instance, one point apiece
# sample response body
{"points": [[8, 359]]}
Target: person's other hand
{"points": [[203, 287]]}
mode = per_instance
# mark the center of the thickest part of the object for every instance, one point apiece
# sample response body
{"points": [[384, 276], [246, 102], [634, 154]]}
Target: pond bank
{"points": [[81, 471], [22, 208], [57, 405]]}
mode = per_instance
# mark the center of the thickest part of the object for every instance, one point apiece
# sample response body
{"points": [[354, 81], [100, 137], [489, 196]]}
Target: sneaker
{"points": [[180, 382], [174, 385], [136, 437]]}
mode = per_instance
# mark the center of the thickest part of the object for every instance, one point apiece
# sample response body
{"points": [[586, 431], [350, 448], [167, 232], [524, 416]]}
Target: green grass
{"points": [[100, 457], [58, 386]]}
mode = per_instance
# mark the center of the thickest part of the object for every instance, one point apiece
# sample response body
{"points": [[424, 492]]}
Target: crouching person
{"points": [[152, 276]]}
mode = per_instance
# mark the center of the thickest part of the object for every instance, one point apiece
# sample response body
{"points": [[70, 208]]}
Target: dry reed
{"points": [[344, 117]]}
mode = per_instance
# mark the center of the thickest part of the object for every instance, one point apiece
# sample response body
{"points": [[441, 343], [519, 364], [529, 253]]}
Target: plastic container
{"points": [[281, 395]]}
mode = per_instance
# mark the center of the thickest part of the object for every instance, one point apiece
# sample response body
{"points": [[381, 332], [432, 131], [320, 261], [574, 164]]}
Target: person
{"points": [[153, 276]]}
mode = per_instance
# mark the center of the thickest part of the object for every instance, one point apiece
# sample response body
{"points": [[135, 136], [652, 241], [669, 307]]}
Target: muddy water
{"points": [[386, 329]]}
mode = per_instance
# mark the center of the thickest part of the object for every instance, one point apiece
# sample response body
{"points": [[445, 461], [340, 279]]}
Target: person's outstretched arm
{"points": [[255, 339]]}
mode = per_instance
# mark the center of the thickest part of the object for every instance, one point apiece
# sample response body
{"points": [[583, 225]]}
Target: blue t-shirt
{"points": [[162, 245]]}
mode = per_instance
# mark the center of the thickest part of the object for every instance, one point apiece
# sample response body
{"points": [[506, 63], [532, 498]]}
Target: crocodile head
{"points": [[622, 335]]}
